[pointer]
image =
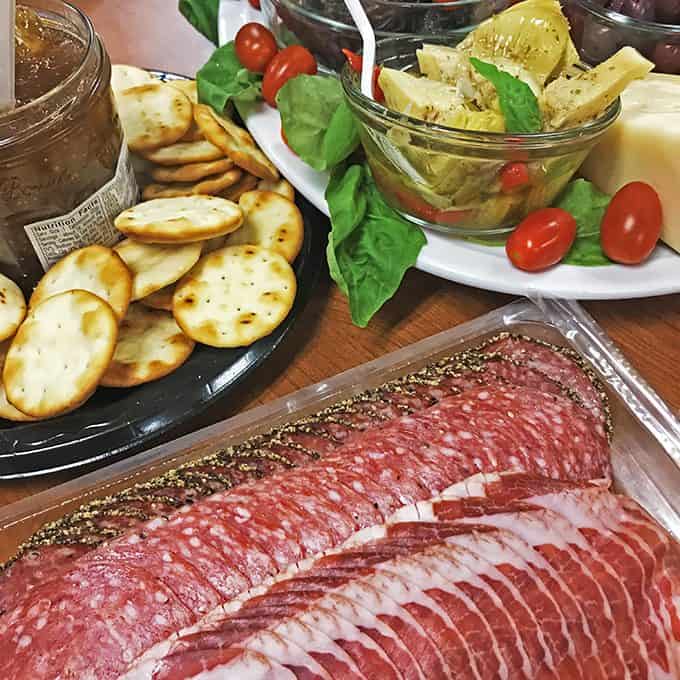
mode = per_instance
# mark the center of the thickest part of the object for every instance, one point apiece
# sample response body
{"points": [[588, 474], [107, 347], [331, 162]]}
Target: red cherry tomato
{"points": [[356, 62], [541, 239], [254, 3], [631, 226], [513, 176], [255, 46], [289, 62]]}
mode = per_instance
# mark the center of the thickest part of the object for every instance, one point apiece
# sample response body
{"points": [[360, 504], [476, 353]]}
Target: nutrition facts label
{"points": [[91, 222]]}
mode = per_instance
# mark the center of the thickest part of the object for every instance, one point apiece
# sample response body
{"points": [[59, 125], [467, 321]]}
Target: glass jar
{"points": [[64, 166]]}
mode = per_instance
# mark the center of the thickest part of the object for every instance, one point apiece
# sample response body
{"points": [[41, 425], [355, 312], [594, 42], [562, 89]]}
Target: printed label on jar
{"points": [[91, 222]]}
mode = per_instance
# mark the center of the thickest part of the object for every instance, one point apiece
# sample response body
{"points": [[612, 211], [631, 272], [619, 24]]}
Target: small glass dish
{"points": [[449, 179], [325, 27], [598, 32]]}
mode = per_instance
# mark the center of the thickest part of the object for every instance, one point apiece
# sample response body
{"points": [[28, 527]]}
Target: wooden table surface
{"points": [[323, 341]]}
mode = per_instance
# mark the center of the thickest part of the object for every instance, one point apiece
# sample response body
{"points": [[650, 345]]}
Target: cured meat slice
{"points": [[35, 567], [105, 606], [533, 593], [302, 443], [563, 366], [406, 461]]}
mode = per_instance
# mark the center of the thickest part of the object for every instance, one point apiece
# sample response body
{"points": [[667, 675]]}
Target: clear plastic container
{"points": [[449, 179], [645, 448], [325, 27]]}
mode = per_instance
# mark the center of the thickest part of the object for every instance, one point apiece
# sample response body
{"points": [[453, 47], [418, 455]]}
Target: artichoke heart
{"points": [[449, 65], [435, 102], [568, 102], [533, 34]]}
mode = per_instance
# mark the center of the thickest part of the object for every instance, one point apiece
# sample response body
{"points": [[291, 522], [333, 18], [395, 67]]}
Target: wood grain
{"points": [[324, 342]]}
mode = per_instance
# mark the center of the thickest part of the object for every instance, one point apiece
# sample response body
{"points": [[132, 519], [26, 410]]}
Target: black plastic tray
{"points": [[117, 422]]}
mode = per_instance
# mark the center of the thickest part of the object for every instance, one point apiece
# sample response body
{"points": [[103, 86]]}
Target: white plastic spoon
{"points": [[358, 13], [7, 19]]}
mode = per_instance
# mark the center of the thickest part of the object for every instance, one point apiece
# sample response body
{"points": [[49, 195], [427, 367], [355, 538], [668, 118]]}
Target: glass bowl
{"points": [[325, 27], [449, 179], [599, 32]]}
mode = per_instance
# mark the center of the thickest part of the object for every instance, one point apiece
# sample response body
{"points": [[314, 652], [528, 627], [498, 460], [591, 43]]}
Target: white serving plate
{"points": [[454, 259]]}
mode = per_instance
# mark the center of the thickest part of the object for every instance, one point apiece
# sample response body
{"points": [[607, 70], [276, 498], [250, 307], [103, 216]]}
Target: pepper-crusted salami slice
{"points": [[37, 566], [563, 366], [111, 609]]}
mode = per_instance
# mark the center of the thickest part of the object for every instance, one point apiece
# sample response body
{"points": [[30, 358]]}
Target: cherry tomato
{"points": [[417, 206], [541, 239], [255, 46], [356, 62], [513, 176], [631, 225], [289, 62], [254, 3]]}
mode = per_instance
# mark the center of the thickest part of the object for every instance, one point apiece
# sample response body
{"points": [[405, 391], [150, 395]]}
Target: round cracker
{"points": [[234, 296], [186, 87], [185, 152], [96, 269], [281, 186], [154, 266], [234, 193], [153, 115], [270, 221], [153, 191], [150, 346], [60, 353], [180, 220], [191, 172], [213, 244], [7, 411], [235, 142], [210, 186], [162, 299], [193, 134], [123, 77], [12, 307]]}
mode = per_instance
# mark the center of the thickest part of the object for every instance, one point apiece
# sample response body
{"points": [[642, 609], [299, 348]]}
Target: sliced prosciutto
{"points": [[508, 576], [213, 550]]}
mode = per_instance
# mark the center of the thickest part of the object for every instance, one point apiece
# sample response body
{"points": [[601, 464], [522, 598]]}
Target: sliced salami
{"points": [[543, 591]]}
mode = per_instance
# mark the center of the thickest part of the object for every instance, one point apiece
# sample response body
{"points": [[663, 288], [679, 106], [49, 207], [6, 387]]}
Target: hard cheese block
{"points": [[644, 145]]}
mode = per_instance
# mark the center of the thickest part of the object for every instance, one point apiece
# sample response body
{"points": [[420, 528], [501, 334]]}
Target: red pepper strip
{"points": [[513, 176], [416, 205], [254, 3], [356, 63]]}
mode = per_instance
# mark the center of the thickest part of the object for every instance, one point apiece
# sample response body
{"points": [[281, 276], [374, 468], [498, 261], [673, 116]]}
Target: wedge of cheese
{"points": [[644, 145]]}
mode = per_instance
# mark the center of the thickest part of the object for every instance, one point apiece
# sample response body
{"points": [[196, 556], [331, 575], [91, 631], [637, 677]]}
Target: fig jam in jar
{"points": [[64, 167]]}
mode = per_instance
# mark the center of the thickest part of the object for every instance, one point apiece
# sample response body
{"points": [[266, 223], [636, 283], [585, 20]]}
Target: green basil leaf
{"points": [[586, 203], [318, 124], [223, 78], [347, 205], [371, 247], [518, 103], [587, 252], [202, 15]]}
